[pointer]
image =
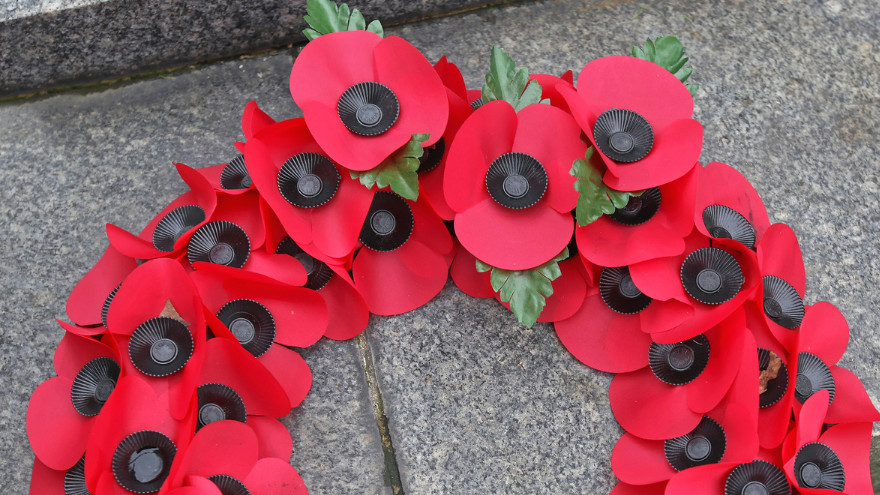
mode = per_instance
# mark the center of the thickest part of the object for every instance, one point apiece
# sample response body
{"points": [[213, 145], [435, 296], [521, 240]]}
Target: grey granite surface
{"points": [[790, 95], [51, 43]]}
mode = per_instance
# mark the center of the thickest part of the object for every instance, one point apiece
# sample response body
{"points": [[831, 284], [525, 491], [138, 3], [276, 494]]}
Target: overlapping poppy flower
{"points": [[373, 95], [651, 225], [62, 409], [86, 303], [406, 255], [508, 175], [638, 116], [225, 457]]}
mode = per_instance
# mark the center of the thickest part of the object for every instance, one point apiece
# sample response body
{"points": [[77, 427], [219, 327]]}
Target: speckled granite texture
{"points": [[52, 43], [790, 95]]}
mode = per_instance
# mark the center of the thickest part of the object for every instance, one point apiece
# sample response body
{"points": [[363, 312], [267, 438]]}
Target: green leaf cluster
{"points": [[324, 16], [595, 199], [526, 290], [668, 53], [400, 170], [505, 82]]}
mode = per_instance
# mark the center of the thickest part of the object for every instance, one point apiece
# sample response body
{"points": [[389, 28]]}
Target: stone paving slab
{"points": [[790, 90], [50, 43]]}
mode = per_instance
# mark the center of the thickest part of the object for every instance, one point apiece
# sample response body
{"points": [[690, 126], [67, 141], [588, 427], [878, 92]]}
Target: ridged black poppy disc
{"points": [[235, 175], [782, 303], [218, 402], [389, 222], [619, 293], [368, 108], [812, 375], [221, 242], [817, 466], [93, 385], [105, 308], [639, 209], [711, 275], [623, 135], [516, 180], [160, 346], [705, 444], [432, 156], [229, 485], [174, 224], [680, 363], [75, 479], [308, 180], [317, 271], [726, 223], [757, 478], [142, 461], [251, 323]]}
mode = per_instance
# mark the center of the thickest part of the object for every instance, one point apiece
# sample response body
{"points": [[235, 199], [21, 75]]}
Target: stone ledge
{"points": [[56, 44]]}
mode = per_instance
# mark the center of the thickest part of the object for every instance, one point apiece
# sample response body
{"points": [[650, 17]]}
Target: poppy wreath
{"points": [[178, 359]]}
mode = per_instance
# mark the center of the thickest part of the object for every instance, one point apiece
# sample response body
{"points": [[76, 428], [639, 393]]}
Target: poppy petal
{"points": [[624, 489], [727, 344], [253, 120], [399, 281], [466, 277], [495, 234], [721, 184], [779, 254], [57, 432], [484, 136], [221, 447], [709, 478], [87, 297], [228, 363], [280, 267], [271, 476], [341, 293], [273, 436], [568, 292], [852, 443], [637, 461], [604, 340], [291, 371], [451, 76], [45, 480], [637, 396], [851, 402], [824, 332]]}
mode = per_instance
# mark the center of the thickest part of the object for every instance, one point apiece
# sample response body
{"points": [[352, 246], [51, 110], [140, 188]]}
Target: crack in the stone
{"points": [[392, 473]]}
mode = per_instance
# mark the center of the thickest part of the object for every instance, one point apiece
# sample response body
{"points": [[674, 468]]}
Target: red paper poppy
{"points": [[263, 316], [374, 94], [830, 461], [652, 225], [63, 409], [780, 296], [433, 162], [823, 338], [406, 255], [329, 278], [134, 414], [333, 227], [86, 301], [646, 110], [684, 380], [228, 453], [157, 301], [550, 92], [723, 186], [721, 272], [730, 478], [465, 275], [725, 435], [169, 232], [521, 160]]}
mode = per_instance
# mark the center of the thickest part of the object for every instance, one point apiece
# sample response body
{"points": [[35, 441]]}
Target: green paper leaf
{"points": [[525, 290], [505, 82], [324, 16], [667, 52], [398, 170], [595, 199]]}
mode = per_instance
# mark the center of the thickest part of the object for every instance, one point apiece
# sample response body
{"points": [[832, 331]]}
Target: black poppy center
{"points": [[368, 108], [146, 465], [621, 142], [623, 135], [639, 209], [709, 281], [210, 413], [309, 185], [681, 357], [628, 287], [772, 308], [221, 254], [389, 222], [619, 292], [308, 180], [803, 385], [755, 488], [163, 351], [243, 329], [516, 180], [811, 475], [633, 205], [723, 222], [698, 448], [307, 262], [103, 389]]}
